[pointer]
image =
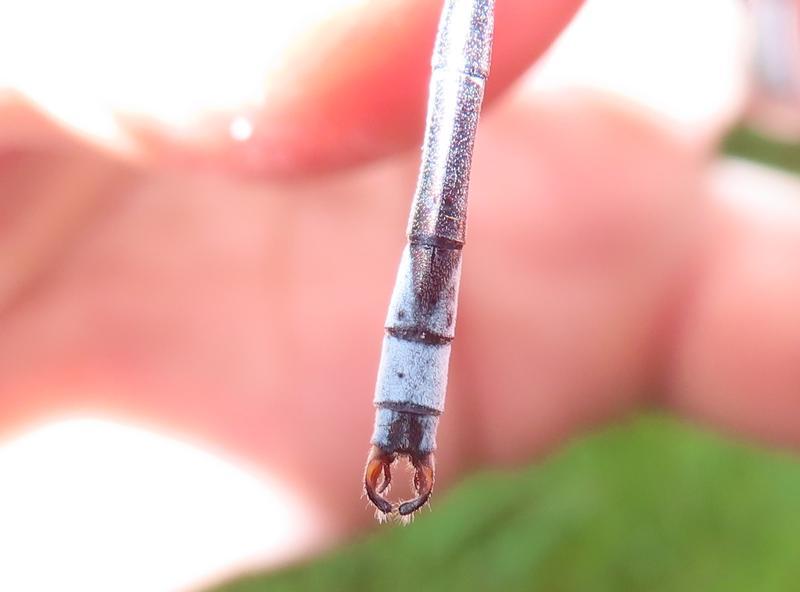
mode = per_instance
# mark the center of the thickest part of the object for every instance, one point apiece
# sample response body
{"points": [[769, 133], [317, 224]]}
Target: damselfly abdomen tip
{"points": [[412, 377]]}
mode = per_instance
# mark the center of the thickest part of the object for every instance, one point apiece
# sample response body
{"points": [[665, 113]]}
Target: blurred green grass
{"points": [[748, 143], [648, 505]]}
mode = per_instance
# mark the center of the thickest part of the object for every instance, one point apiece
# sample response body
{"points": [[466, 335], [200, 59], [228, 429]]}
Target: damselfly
{"points": [[412, 377]]}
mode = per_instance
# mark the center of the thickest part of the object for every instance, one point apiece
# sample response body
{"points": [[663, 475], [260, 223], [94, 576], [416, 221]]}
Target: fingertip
{"points": [[353, 91], [368, 103], [735, 358], [326, 90]]}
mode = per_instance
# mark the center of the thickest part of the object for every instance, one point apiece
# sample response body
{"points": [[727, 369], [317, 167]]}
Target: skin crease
{"points": [[603, 268]]}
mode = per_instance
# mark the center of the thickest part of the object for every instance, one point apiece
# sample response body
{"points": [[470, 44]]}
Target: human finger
{"points": [[280, 90], [734, 363]]}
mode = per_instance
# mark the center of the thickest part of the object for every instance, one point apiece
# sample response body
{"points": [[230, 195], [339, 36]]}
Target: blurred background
{"points": [[648, 503]]}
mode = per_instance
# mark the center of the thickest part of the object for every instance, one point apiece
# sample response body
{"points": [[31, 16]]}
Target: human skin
{"points": [[236, 296]]}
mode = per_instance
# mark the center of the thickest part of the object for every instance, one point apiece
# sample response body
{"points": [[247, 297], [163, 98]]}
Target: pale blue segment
{"points": [[412, 373], [405, 309]]}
